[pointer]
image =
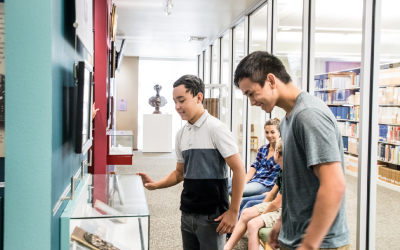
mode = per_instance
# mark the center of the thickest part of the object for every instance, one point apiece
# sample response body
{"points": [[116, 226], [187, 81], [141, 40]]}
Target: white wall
{"points": [[127, 88], [164, 72]]}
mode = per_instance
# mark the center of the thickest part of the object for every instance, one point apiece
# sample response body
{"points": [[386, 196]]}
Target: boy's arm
{"points": [[170, 180], [229, 218], [327, 204], [272, 194], [275, 204]]}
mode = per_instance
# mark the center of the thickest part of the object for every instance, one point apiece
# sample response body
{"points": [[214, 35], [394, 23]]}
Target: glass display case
{"points": [[121, 142], [106, 209]]}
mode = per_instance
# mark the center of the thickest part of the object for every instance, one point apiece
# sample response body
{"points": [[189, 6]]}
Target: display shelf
{"points": [[379, 182], [389, 105], [322, 90], [112, 207], [349, 136], [346, 120]]}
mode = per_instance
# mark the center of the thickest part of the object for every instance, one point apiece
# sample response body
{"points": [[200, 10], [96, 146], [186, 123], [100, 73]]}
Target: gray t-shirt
{"points": [[310, 136]]}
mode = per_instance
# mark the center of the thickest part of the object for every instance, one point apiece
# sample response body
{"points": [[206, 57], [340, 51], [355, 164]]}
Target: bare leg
{"points": [[253, 226], [241, 226]]}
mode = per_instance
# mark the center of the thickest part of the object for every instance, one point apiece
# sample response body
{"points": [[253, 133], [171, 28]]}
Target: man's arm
{"points": [[329, 198], [229, 218], [274, 205], [272, 194], [170, 180]]}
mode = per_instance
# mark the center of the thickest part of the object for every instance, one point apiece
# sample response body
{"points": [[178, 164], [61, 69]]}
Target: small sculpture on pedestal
{"points": [[157, 101]]}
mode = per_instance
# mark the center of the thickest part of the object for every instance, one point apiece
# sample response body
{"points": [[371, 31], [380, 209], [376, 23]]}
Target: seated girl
{"points": [[261, 215], [261, 177]]}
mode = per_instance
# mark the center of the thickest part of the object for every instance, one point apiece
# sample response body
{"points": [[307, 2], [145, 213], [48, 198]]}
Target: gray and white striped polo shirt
{"points": [[202, 148]]}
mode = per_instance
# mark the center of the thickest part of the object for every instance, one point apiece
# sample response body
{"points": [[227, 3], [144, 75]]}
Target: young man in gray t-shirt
{"points": [[313, 201]]}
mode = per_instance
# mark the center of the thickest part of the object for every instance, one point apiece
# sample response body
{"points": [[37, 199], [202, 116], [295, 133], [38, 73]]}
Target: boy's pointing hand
{"points": [[147, 182]]}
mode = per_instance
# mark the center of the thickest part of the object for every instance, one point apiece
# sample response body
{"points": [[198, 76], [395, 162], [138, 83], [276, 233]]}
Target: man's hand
{"points": [[228, 222], [273, 235], [147, 182]]}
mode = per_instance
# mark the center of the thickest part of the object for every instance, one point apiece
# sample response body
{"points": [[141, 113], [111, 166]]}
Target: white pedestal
{"points": [[157, 133]]}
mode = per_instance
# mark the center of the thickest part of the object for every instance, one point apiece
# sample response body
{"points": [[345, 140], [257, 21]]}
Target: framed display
{"points": [[84, 108]]}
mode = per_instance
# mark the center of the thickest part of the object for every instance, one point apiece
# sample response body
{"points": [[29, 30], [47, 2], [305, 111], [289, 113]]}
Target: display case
{"points": [[121, 142], [120, 147], [106, 209]]}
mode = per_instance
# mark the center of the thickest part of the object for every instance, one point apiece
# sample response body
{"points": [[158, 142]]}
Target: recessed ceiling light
{"points": [[196, 38]]}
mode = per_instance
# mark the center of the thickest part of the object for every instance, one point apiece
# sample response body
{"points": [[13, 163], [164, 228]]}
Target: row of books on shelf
{"points": [[339, 97], [389, 76], [350, 145], [389, 115], [338, 81], [390, 134], [348, 128], [389, 95], [389, 175], [346, 113], [389, 153]]}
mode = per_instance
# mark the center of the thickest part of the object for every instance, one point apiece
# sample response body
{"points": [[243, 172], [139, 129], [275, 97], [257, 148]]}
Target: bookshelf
{"points": [[347, 152], [384, 86], [390, 143], [380, 182], [389, 105], [343, 104], [390, 124], [345, 120], [352, 88], [350, 136]]}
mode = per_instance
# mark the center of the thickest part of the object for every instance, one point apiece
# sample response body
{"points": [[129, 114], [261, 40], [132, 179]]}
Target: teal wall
{"points": [[40, 153]]}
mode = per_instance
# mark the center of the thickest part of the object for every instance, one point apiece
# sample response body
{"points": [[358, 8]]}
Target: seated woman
{"points": [[261, 215], [262, 174]]}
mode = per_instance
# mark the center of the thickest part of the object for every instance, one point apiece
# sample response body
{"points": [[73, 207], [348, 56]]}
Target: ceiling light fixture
{"points": [[168, 6]]}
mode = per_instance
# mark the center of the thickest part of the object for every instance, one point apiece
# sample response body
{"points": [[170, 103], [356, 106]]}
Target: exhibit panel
{"points": [[121, 221]]}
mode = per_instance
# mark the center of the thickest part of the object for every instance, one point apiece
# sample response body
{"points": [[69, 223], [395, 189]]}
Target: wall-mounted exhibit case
{"points": [[84, 108], [113, 211]]}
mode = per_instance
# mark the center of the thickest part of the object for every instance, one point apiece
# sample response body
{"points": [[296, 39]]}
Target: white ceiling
{"points": [[150, 33]]}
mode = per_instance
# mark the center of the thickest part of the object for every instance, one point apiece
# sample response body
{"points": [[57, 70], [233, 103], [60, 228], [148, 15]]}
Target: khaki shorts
{"points": [[268, 218], [347, 247]]}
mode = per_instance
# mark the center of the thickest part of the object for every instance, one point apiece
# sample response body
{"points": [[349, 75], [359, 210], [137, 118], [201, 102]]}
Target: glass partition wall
{"points": [[237, 96], [334, 66], [388, 188], [256, 116], [338, 43]]}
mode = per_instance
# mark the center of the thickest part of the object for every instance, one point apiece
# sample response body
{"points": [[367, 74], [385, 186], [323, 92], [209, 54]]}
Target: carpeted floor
{"points": [[165, 214]]}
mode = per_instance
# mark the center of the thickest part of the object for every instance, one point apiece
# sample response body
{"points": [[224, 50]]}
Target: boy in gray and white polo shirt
{"points": [[204, 146]]}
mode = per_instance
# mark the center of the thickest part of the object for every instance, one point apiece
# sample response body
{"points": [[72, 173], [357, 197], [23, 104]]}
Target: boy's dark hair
{"points": [[258, 65], [192, 83]]}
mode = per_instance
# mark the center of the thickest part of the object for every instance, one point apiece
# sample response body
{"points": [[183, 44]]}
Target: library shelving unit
{"points": [[389, 81]]}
